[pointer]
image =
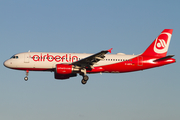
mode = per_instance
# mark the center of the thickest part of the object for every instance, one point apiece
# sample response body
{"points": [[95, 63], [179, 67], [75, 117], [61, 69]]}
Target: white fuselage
{"points": [[49, 60]]}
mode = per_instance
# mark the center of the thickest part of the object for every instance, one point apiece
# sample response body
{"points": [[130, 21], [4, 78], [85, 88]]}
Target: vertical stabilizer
{"points": [[160, 45]]}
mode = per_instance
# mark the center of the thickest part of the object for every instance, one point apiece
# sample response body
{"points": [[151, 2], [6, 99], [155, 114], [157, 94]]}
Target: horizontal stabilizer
{"points": [[163, 58]]}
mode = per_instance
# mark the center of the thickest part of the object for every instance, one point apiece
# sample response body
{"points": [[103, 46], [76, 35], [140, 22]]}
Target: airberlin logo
{"points": [[57, 58], [162, 43]]}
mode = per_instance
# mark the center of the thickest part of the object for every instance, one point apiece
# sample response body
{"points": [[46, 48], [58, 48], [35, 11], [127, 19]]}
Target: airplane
{"points": [[66, 65]]}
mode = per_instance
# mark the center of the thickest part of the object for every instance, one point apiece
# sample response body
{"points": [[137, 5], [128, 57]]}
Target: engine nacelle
{"points": [[64, 69], [62, 77]]}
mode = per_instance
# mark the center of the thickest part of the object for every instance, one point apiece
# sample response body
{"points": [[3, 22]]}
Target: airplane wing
{"points": [[88, 62]]}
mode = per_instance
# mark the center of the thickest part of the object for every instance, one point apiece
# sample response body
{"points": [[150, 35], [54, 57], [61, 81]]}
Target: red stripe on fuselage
{"points": [[34, 69]]}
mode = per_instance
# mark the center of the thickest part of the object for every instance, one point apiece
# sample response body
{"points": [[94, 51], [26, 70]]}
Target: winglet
{"points": [[109, 50]]}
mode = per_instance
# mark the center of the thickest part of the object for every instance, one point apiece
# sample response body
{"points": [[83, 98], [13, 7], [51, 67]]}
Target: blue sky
{"points": [[88, 27]]}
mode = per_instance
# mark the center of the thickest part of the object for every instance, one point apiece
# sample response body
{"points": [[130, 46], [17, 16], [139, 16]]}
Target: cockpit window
{"points": [[14, 57]]}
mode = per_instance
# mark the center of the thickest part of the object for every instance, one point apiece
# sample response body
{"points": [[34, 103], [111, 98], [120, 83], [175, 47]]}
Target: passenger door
{"points": [[26, 58]]}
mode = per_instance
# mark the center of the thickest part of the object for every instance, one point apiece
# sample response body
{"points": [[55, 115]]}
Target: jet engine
{"points": [[65, 71]]}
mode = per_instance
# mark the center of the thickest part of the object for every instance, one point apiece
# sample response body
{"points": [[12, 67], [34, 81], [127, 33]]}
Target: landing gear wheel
{"points": [[84, 81], [25, 78], [85, 77]]}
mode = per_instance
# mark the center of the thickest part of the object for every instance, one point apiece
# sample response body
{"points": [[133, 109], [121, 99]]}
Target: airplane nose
{"points": [[5, 63]]}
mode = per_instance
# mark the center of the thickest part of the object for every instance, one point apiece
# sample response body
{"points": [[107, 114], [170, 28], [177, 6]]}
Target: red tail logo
{"points": [[159, 46], [162, 43]]}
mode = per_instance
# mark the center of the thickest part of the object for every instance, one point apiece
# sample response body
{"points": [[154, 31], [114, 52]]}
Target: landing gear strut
{"points": [[85, 77], [26, 78]]}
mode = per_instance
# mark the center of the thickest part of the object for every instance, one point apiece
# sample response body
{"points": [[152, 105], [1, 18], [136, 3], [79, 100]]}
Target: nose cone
{"points": [[7, 63]]}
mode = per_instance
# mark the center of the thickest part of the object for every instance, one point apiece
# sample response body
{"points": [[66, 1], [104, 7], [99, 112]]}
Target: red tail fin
{"points": [[160, 45]]}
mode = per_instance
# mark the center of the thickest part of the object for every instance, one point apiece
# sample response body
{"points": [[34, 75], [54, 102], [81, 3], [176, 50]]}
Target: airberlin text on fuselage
{"points": [[57, 58]]}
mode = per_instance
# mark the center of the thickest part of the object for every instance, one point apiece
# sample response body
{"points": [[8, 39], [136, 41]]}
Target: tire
{"points": [[84, 81], [85, 78], [25, 78]]}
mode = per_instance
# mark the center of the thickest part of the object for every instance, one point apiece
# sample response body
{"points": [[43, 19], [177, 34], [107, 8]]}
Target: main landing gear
{"points": [[26, 78], [85, 77]]}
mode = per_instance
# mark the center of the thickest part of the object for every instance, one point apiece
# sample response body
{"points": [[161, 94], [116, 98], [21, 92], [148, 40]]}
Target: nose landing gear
{"points": [[26, 78]]}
